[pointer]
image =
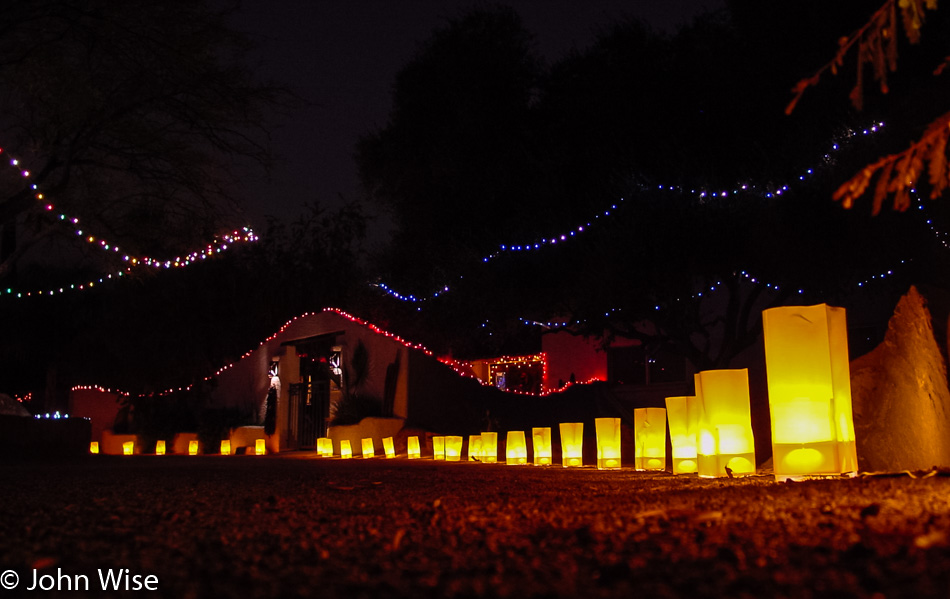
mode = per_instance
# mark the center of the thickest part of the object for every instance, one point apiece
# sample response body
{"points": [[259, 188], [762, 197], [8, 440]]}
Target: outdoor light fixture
{"points": [[649, 426], [260, 447], [516, 450], [489, 447], [541, 445], [682, 433], [160, 447], [193, 447], [93, 447], [225, 447], [128, 447], [367, 448], [389, 448], [725, 438], [572, 444], [346, 452], [438, 448], [325, 447], [474, 448], [453, 449], [806, 360], [412, 448], [608, 443]]}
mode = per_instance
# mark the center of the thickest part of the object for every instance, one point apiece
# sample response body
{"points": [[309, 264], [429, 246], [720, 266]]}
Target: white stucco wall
{"points": [[246, 382]]}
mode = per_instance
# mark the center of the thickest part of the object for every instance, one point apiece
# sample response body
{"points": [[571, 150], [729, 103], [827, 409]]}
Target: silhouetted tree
{"points": [[637, 110], [138, 118], [456, 160], [130, 116]]}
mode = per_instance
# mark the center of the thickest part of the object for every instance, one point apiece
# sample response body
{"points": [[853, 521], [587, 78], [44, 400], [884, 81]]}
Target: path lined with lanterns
{"points": [[710, 432], [425, 522], [308, 527]]}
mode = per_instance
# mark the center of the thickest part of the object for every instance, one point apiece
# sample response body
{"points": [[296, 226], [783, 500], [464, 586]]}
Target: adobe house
{"points": [[317, 359]]}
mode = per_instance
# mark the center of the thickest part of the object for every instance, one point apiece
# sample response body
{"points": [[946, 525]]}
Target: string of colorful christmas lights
{"points": [[219, 244], [72, 287]]}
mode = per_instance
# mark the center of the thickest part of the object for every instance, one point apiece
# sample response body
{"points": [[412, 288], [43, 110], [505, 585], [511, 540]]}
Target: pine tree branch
{"points": [[876, 43], [899, 173]]}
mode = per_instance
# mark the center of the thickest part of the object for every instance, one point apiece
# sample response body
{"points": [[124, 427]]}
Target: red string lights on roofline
{"points": [[460, 367], [218, 245]]}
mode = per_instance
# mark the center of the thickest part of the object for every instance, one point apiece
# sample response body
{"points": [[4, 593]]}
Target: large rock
{"points": [[900, 396]]}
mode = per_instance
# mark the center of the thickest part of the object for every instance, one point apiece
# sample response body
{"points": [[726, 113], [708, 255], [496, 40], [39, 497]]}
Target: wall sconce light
{"points": [[453, 448], [682, 433], [225, 447], [809, 379], [93, 447], [725, 438], [389, 448], [438, 448], [128, 448], [346, 452], [412, 448], [474, 448], [193, 447], [516, 450], [608, 443], [325, 447], [541, 446], [649, 427], [489, 447], [160, 447], [572, 444], [367, 448], [260, 447]]}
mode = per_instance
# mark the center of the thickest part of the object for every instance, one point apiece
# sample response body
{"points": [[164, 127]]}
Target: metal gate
{"points": [[309, 405]]}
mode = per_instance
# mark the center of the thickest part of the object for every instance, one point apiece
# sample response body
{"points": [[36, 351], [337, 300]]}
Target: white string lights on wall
{"points": [[218, 245], [699, 194]]}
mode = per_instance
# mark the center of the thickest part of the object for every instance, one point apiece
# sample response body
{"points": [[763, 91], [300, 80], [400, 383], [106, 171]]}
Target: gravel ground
{"points": [[299, 526]]}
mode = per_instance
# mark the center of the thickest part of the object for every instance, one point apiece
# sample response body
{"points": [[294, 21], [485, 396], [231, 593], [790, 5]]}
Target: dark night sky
{"points": [[342, 58]]}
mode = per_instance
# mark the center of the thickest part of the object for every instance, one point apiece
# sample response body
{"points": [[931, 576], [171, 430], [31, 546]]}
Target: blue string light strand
{"points": [[761, 191]]}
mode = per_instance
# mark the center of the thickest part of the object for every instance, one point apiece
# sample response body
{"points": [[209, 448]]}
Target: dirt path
{"points": [[279, 526]]}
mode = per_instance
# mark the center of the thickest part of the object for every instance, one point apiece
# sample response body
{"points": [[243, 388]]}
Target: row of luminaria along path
{"points": [[710, 433]]}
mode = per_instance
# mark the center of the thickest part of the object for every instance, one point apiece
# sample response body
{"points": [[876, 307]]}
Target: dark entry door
{"points": [[308, 408], [320, 381], [310, 402]]}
